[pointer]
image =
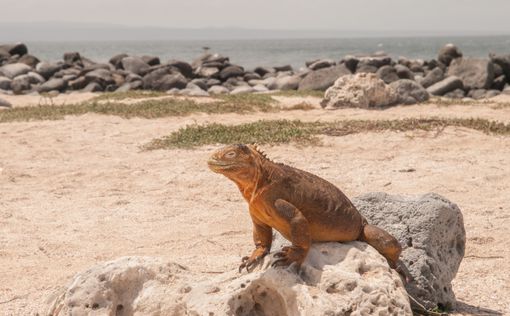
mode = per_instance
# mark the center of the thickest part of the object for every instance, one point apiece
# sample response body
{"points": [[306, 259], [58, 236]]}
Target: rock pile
{"points": [[450, 75]]}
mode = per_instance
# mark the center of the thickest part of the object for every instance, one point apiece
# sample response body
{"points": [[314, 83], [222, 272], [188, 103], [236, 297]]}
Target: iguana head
{"points": [[237, 162]]}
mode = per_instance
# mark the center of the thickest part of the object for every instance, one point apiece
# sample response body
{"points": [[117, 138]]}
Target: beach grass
{"points": [[306, 133]]}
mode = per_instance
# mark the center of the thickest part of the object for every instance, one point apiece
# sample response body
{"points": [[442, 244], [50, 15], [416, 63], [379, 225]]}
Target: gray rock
{"points": [[93, 87], [162, 80], [284, 83], [499, 83], [504, 62], [5, 83], [498, 70], [184, 68], [21, 84], [35, 78], [207, 72], [5, 104], [124, 87], [19, 49], [388, 74], [434, 76], [374, 61], [260, 88], [409, 91], [351, 62], [323, 78], [403, 72], [13, 70], [218, 90], [251, 76], [53, 84], [448, 53], [264, 70], [364, 68], [431, 231], [477, 94], [231, 71], [455, 94], [100, 76], [362, 90], [29, 60], [283, 68], [475, 73], [135, 65], [193, 90], [78, 83], [242, 90], [446, 85], [492, 93], [133, 77], [321, 63], [116, 60], [213, 82], [201, 83], [151, 60], [73, 58], [46, 69]]}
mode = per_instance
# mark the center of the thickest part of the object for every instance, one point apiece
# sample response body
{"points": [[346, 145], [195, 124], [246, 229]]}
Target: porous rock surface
{"points": [[336, 279], [431, 230], [363, 90]]}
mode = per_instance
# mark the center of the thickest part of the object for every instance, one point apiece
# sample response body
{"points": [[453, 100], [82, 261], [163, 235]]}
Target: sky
{"points": [[393, 16]]}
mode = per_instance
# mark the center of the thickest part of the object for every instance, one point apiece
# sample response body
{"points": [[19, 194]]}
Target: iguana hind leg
{"points": [[299, 235], [382, 241], [263, 237]]}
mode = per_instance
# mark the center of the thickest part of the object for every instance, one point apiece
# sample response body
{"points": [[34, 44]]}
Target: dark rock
{"points": [[455, 94], [351, 62], [323, 78], [20, 84], [162, 80], [5, 83], [403, 72], [416, 66], [448, 53], [201, 83], [53, 84], [46, 69], [13, 70], [388, 74], [184, 68], [135, 65], [100, 76], [283, 68], [78, 83], [285, 83], [151, 60], [433, 63], [72, 58], [251, 76], [499, 83], [409, 91], [504, 62], [475, 73], [29, 60], [322, 63], [231, 71], [19, 49], [116, 60], [263, 71], [93, 87], [498, 70], [435, 75], [431, 230], [446, 85]]}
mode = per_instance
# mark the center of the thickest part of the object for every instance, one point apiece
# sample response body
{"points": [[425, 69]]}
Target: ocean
{"points": [[252, 53]]}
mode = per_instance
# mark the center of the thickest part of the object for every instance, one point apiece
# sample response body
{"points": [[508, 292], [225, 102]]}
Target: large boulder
{"points": [[475, 73], [57, 84], [431, 230], [231, 71], [19, 49], [448, 53], [29, 60], [116, 60], [409, 91], [163, 80], [207, 72], [13, 70], [5, 83], [135, 65], [285, 83], [21, 84], [432, 77], [73, 58], [323, 78], [388, 74], [184, 68], [100, 76], [47, 69], [502, 61], [335, 279], [363, 90], [446, 85]]}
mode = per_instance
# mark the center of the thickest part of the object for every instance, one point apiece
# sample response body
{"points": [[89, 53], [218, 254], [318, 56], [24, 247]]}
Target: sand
{"points": [[80, 191]]}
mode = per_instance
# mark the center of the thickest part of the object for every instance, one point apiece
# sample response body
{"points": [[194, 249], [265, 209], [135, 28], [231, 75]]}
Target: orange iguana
{"points": [[303, 207]]}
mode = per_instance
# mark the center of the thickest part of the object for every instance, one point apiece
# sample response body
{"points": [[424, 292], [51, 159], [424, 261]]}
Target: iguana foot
{"points": [[289, 255], [250, 262]]}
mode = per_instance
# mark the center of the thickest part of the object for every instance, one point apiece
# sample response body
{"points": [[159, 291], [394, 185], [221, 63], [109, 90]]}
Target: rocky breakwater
{"points": [[450, 74], [336, 278]]}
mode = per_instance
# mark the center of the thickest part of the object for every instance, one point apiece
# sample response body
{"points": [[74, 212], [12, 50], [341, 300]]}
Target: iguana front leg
{"points": [[263, 237], [299, 235]]}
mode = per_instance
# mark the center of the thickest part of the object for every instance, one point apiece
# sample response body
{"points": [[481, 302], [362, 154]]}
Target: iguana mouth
{"points": [[217, 165]]}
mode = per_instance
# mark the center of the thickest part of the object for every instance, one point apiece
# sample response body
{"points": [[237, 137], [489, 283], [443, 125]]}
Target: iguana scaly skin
{"points": [[303, 207]]}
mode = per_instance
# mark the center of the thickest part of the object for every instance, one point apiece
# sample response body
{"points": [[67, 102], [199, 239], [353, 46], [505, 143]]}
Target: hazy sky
{"points": [[453, 16]]}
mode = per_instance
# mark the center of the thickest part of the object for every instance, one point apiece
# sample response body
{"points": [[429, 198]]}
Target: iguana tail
{"points": [[382, 241]]}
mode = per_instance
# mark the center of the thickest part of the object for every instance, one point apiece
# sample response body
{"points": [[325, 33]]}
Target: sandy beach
{"points": [[80, 191]]}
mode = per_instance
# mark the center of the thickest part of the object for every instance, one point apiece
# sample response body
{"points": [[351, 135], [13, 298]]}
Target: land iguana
{"points": [[303, 207]]}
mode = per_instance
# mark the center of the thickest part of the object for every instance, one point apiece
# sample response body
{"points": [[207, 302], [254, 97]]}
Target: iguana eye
{"points": [[230, 154]]}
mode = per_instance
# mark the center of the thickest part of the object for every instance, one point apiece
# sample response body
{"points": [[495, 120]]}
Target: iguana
{"points": [[303, 207]]}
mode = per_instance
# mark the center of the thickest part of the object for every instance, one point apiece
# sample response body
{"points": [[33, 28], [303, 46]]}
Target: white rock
{"points": [[335, 279], [364, 90]]}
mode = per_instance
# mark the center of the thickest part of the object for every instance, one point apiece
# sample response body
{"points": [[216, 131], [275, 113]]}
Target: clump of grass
{"points": [[132, 94], [304, 106], [278, 131], [450, 102], [299, 93], [285, 131]]}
